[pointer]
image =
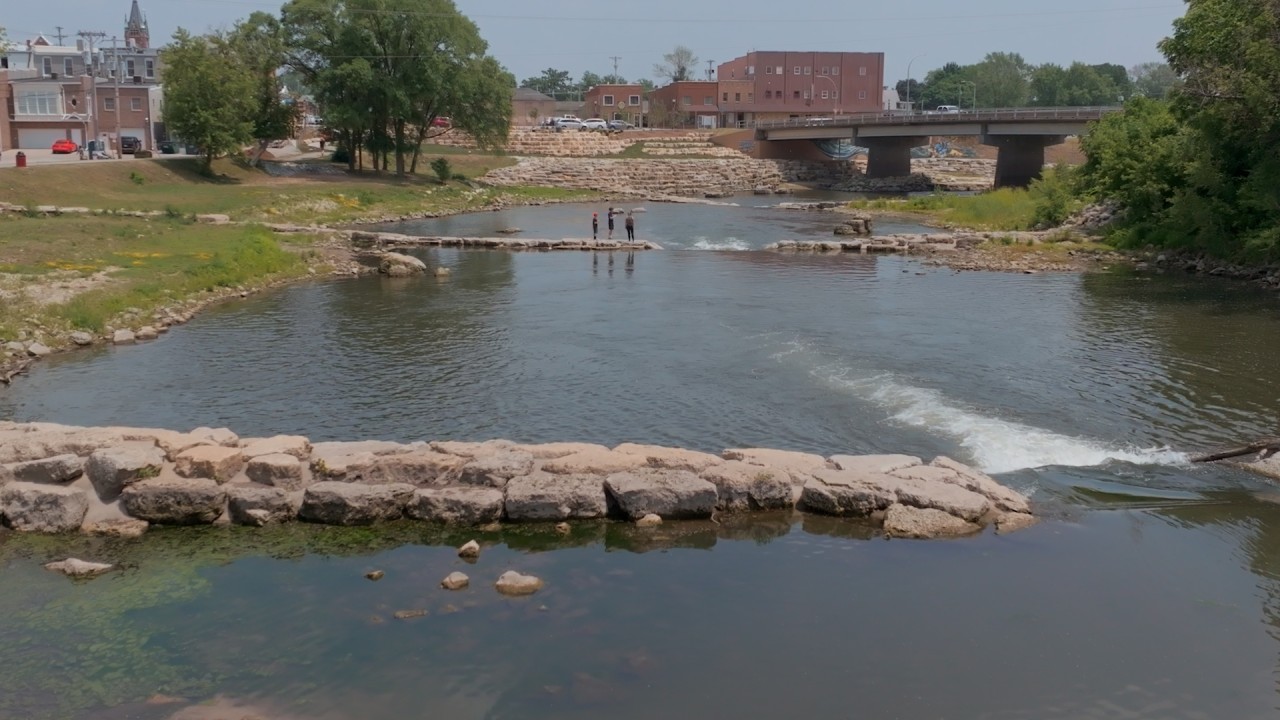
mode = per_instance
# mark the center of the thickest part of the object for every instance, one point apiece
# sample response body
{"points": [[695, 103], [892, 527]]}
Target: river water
{"points": [[1150, 592]]}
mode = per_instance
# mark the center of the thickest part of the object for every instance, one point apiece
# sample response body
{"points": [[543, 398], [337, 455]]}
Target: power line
{"points": [[723, 20]]}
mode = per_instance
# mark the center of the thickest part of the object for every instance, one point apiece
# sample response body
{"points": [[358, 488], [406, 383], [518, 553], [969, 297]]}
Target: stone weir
{"points": [[118, 481], [391, 241]]}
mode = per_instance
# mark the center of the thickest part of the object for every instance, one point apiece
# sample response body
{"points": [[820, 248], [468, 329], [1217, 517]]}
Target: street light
{"points": [[909, 106], [975, 94]]}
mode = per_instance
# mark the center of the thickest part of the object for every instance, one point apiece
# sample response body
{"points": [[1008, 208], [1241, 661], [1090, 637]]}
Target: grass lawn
{"points": [[1004, 209], [77, 273], [249, 194]]}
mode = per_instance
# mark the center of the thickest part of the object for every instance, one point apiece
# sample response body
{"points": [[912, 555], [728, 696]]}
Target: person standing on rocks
{"points": [[610, 218], [631, 227], [595, 226]]}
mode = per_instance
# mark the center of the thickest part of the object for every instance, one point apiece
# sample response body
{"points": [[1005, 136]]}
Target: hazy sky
{"points": [[576, 35]]}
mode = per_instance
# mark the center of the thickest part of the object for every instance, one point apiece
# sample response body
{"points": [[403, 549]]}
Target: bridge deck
{"points": [[1000, 115]]}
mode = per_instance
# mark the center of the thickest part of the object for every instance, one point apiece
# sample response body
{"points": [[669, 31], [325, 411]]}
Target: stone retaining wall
{"points": [[118, 481]]}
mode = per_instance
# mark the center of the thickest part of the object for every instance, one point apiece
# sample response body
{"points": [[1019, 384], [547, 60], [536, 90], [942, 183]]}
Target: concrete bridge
{"points": [[1021, 134]]}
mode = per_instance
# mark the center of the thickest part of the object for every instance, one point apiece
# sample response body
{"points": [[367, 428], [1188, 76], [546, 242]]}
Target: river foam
{"points": [[729, 243], [994, 444]]}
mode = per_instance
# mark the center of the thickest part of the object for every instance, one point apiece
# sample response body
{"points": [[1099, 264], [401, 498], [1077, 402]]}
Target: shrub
{"points": [[1055, 195], [136, 178], [442, 169]]}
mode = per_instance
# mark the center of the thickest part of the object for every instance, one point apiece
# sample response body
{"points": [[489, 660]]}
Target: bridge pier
{"points": [[1021, 157], [889, 156]]}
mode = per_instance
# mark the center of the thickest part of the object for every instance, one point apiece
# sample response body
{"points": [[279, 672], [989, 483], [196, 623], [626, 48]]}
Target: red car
{"points": [[441, 122], [64, 147]]}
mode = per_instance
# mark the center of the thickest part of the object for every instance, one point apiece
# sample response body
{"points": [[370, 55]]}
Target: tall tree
{"points": [[391, 68], [946, 85], [677, 65], [208, 94], [1153, 79], [259, 44], [612, 79], [1228, 55], [552, 82], [1002, 80]]}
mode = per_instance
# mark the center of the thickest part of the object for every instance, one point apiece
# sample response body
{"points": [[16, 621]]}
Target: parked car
{"points": [[595, 124], [168, 148], [129, 144], [620, 125], [568, 122], [947, 109], [443, 122], [64, 147]]}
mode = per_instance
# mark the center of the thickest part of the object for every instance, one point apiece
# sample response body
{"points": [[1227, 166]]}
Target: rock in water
{"points": [[375, 575], [469, 551], [400, 265], [649, 520], [34, 507], [78, 568], [902, 521], [455, 581], [513, 583]]}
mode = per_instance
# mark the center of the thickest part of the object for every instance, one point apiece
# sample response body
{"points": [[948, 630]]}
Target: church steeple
{"points": [[136, 33]]}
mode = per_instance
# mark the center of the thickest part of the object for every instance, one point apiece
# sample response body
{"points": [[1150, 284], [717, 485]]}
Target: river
{"points": [[1150, 592]]}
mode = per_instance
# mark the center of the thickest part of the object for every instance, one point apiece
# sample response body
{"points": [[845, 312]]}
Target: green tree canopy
{"points": [[552, 82], [1002, 80], [209, 94], [259, 43], [1153, 79], [386, 70]]}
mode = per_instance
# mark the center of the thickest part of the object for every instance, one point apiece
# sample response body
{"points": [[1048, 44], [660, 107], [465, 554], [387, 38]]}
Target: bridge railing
{"points": [[929, 117]]}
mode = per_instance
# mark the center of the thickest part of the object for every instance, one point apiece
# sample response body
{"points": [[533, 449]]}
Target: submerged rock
{"points": [[470, 550], [902, 521], [74, 567], [649, 520], [455, 581], [117, 528], [514, 583]]}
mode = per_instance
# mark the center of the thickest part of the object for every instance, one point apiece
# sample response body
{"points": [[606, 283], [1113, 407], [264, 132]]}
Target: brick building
{"points": [[685, 103], [81, 92], [780, 85], [613, 102]]}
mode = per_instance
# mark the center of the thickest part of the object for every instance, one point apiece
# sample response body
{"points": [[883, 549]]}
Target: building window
{"points": [[737, 97], [726, 97], [751, 97], [751, 70], [709, 100], [835, 69], [68, 67], [779, 71], [807, 69], [150, 66], [634, 101], [48, 66], [824, 94], [795, 94], [135, 104], [826, 70], [607, 100], [862, 70], [686, 100], [130, 69], [109, 104], [768, 69], [45, 103], [835, 94], [862, 94], [768, 94], [806, 94], [797, 70]]}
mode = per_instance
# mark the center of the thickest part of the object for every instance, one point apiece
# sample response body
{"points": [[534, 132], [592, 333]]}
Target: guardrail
{"points": [[928, 118]]}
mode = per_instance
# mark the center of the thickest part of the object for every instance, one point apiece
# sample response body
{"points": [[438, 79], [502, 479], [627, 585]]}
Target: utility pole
{"points": [[115, 80], [615, 60], [59, 29], [91, 68], [710, 71]]}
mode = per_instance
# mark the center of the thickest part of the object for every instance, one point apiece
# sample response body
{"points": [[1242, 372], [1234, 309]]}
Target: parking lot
{"points": [[9, 158]]}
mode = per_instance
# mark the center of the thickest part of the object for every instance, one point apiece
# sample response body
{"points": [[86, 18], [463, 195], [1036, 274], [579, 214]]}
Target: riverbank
{"points": [[118, 481]]}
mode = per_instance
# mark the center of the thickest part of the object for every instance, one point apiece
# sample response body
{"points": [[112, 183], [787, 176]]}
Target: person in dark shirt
{"points": [[611, 213], [595, 226], [631, 226]]}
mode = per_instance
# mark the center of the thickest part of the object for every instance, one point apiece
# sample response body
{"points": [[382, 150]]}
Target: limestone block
{"points": [[902, 521], [259, 505], [209, 461], [278, 470], [175, 501], [669, 494], [545, 497], [671, 458], [457, 505], [37, 507], [52, 470], [339, 503], [111, 469], [295, 445]]}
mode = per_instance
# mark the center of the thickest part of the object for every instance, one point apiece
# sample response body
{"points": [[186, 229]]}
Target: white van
{"points": [[948, 109]]}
